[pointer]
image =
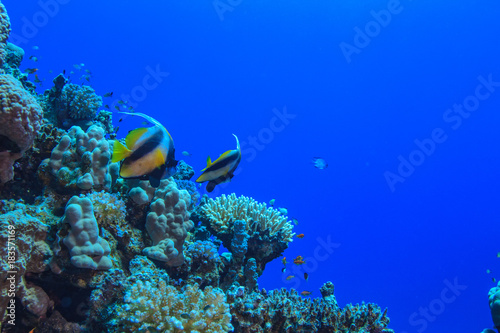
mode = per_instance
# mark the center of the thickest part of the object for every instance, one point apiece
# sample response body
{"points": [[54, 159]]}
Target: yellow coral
{"points": [[226, 209], [161, 308]]}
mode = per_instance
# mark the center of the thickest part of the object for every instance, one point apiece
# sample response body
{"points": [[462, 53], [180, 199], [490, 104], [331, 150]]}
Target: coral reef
{"points": [[4, 32], [24, 250], [168, 223], [97, 253], [87, 248], [159, 307], [250, 230], [494, 301], [286, 311], [80, 161], [21, 119]]}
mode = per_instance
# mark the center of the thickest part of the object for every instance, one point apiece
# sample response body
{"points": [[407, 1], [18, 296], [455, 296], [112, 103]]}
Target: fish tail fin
{"points": [[119, 152]]}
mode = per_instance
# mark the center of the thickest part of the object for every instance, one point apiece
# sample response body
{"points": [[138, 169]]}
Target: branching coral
{"points": [[149, 307], [224, 210], [250, 230], [285, 311], [21, 118]]}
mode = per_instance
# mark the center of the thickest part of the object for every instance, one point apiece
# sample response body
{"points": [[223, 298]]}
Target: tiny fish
{"points": [[488, 271], [283, 211], [306, 276], [121, 119], [206, 307], [283, 261], [76, 66], [295, 221], [185, 153], [35, 47], [306, 293], [35, 59], [299, 262], [117, 107], [106, 106], [31, 70], [37, 80], [494, 280], [283, 270], [290, 277], [300, 236], [319, 163], [144, 123], [271, 203], [131, 108], [498, 255], [88, 71], [121, 102], [108, 94], [186, 316]]}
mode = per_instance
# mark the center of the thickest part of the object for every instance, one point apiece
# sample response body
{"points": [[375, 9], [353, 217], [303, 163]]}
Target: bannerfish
{"points": [[222, 169], [147, 153], [319, 163]]}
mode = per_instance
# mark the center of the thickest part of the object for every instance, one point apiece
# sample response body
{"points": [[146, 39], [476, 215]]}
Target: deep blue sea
{"points": [[401, 98]]}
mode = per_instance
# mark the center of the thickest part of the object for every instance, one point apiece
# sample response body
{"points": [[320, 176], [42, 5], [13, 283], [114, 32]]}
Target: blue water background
{"points": [[234, 71]]}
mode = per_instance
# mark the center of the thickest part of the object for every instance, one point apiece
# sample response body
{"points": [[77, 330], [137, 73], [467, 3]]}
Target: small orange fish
{"points": [[283, 261], [290, 277], [306, 293], [300, 236], [31, 70]]}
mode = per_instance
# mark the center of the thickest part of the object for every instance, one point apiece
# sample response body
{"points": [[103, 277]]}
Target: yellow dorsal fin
{"points": [[134, 135], [119, 152], [209, 163]]}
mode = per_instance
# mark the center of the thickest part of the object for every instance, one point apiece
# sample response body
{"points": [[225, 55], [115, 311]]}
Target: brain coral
{"points": [[20, 119]]}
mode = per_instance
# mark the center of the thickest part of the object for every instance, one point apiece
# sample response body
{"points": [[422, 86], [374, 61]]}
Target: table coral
{"points": [[150, 307], [87, 248], [21, 118], [250, 230], [224, 210], [168, 222]]}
